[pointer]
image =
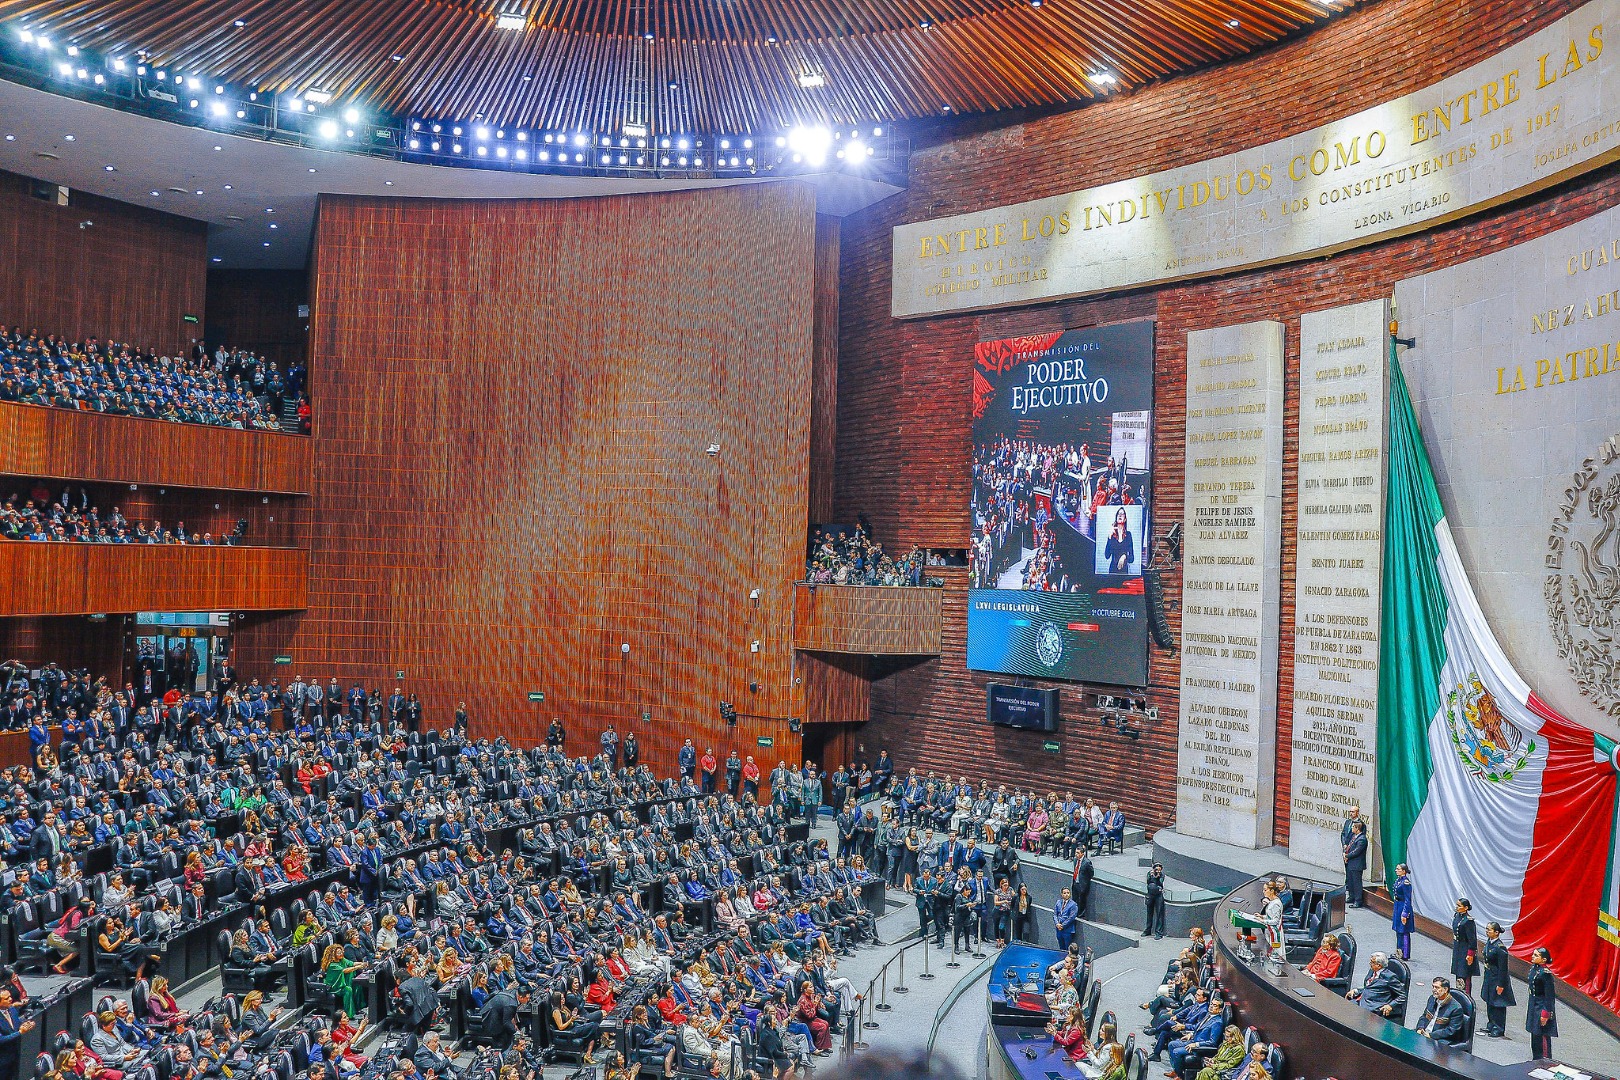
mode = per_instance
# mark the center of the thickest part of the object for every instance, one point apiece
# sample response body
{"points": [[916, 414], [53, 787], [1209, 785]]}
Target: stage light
{"points": [[241, 114], [877, 133], [27, 36], [73, 50], [81, 73], [483, 151], [579, 159], [665, 161], [636, 131], [748, 144], [545, 155], [219, 89], [683, 163], [455, 148], [70, 138], [416, 125], [42, 41], [162, 75], [682, 144], [481, 133], [509, 20], [456, 130], [606, 158], [65, 70], [351, 116], [119, 65], [811, 79], [522, 155], [416, 144], [624, 160], [435, 144], [856, 152], [1102, 78], [100, 80], [812, 142], [109, 168], [500, 133], [523, 136], [580, 139], [194, 83], [218, 108], [328, 129], [319, 97]]}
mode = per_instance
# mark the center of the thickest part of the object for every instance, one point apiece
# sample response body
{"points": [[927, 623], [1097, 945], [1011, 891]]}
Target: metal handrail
{"points": [[861, 1017]]}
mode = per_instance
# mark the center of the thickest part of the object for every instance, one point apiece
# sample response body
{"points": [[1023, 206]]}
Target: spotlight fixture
{"points": [[636, 131], [319, 97], [810, 143], [511, 20], [811, 79]]}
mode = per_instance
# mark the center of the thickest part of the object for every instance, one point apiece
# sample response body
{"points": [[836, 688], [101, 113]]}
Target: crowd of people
{"points": [[851, 557], [70, 520], [643, 917], [1019, 487], [228, 388]]}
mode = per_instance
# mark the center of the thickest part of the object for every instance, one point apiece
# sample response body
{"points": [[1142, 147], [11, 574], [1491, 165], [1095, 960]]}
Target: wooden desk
{"points": [[1326, 1035]]}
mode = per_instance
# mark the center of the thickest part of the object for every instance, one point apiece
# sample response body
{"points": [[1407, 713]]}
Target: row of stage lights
{"points": [[313, 118]]}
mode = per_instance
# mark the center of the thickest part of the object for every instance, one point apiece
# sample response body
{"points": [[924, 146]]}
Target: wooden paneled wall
{"points": [[870, 620], [837, 688], [257, 310], [82, 579], [824, 373], [515, 400], [61, 444], [904, 387], [71, 640], [132, 274]]}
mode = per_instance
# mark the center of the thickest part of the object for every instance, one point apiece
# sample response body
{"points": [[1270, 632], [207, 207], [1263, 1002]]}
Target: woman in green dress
{"points": [[339, 976], [1227, 1056]]}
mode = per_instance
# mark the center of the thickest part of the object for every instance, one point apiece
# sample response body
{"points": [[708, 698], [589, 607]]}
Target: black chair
{"points": [[1275, 1060], [87, 1028], [28, 938], [44, 1065], [1465, 1039], [316, 992], [1136, 1065], [1404, 975], [234, 978], [139, 995], [1342, 982], [1088, 1012]]}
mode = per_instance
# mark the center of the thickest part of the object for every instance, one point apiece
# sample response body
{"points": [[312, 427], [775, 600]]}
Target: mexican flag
{"points": [[1484, 790]]}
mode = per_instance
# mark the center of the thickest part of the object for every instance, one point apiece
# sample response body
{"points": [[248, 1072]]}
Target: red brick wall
{"points": [[130, 276], [903, 393]]}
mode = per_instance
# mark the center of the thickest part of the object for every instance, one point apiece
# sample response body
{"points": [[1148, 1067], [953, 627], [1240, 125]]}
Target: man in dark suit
{"points": [[1355, 864], [46, 842], [194, 905], [1381, 991], [1155, 902], [501, 1014], [1443, 1018], [431, 1059], [1084, 872]]}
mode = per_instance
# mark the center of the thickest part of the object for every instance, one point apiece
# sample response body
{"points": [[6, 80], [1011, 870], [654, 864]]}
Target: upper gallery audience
{"points": [[70, 519], [853, 558], [226, 389]]}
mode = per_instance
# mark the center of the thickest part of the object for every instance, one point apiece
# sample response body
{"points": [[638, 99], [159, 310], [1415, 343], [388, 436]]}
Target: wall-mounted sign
{"points": [[537, 695], [1051, 747], [283, 660], [1531, 116], [766, 740], [399, 674]]}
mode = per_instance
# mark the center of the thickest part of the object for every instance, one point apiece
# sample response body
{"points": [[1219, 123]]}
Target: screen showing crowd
{"points": [[1061, 502]]}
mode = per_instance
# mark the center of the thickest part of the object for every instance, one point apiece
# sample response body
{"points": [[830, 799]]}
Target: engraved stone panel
{"points": [[1231, 583], [1343, 437]]}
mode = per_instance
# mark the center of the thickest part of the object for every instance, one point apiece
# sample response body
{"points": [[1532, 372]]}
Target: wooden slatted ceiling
{"points": [[686, 65]]}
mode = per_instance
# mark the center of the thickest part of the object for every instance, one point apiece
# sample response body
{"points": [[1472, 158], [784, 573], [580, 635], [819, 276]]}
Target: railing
{"points": [[862, 1017]]}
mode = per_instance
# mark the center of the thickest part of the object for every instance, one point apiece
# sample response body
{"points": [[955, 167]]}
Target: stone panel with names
{"points": [[1231, 581], [1343, 436]]}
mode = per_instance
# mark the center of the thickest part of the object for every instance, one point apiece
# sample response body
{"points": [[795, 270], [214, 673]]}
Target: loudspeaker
{"points": [[1158, 626]]}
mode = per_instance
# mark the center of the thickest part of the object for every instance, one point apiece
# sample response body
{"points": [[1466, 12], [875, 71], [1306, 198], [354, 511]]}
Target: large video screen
{"points": [[1062, 504]]}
